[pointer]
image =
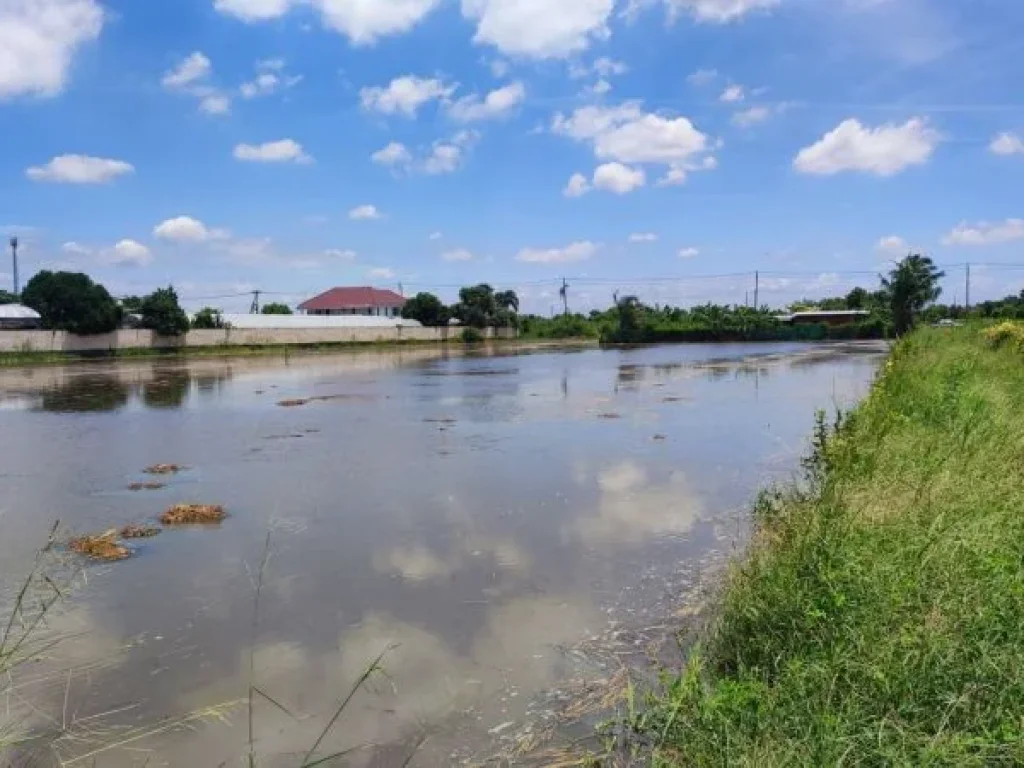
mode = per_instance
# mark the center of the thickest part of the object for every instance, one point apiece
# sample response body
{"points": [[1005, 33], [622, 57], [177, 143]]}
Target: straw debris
{"points": [[104, 547], [193, 514]]}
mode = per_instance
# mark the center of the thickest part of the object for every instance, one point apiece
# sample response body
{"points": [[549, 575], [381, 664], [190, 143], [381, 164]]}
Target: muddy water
{"points": [[482, 516]]}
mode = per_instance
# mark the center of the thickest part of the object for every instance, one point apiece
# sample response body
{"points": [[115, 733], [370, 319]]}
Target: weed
{"points": [[139, 532], [193, 514], [104, 546], [163, 469]]}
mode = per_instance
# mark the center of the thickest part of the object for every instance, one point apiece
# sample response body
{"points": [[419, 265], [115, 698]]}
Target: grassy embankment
{"points": [[878, 618]]}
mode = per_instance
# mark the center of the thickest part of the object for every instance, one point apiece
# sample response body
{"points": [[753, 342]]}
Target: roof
{"points": [[17, 312], [353, 298]]}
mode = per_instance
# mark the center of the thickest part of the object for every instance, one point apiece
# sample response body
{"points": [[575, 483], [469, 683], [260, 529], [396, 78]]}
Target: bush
{"points": [[277, 308], [162, 313], [208, 319], [471, 336], [1005, 334], [70, 301]]}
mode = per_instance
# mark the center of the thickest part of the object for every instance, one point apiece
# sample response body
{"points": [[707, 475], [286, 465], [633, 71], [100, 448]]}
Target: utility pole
{"points": [[967, 300], [401, 290], [757, 291], [564, 293], [255, 308], [14, 258]]}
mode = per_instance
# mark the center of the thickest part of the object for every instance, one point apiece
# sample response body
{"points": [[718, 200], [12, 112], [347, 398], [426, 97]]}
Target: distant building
{"points": [[15, 317], [826, 317], [371, 302]]}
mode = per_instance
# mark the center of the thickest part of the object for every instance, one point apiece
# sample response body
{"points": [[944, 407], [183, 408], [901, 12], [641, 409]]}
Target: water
{"points": [[485, 516]]}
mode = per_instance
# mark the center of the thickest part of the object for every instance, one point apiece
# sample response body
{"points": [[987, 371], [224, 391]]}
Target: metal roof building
{"points": [[18, 317]]}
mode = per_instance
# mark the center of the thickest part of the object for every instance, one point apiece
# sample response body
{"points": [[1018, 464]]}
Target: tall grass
{"points": [[879, 616]]}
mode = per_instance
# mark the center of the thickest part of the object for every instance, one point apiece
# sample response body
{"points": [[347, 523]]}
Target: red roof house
{"points": [[355, 301]]}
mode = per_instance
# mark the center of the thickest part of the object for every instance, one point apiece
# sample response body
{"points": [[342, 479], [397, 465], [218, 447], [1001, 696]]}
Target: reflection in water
{"points": [[477, 512]]}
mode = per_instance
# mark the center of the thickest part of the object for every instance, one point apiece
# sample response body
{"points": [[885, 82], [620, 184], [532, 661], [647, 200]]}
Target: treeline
{"points": [[479, 306]]}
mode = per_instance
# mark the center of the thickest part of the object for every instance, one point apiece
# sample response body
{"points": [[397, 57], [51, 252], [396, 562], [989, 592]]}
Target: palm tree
{"points": [[910, 287], [507, 300]]}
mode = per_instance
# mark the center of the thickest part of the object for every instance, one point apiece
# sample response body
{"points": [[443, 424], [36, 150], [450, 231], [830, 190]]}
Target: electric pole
{"points": [[967, 299], [14, 258], [254, 309], [757, 291], [564, 293]]}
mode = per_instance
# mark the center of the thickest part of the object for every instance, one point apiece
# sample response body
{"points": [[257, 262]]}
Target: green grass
{"points": [[878, 618]]}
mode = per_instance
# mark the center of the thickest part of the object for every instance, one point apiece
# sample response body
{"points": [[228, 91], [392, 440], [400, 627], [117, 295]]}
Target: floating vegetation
{"points": [[660, 438], [294, 403], [300, 401], [148, 486], [139, 532], [609, 416], [104, 547], [163, 469], [193, 514]]}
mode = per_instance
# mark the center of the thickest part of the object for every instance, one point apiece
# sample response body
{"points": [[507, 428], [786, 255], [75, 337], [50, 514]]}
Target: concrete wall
{"points": [[59, 341]]}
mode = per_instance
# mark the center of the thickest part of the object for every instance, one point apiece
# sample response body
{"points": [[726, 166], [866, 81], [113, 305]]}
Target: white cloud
{"points": [[267, 83], [447, 156], [643, 237], [619, 178], [602, 67], [539, 29], [600, 88], [405, 95], [1007, 144], [364, 213], [393, 154], [185, 229], [717, 11], [215, 104], [362, 21], [688, 253], [191, 70], [893, 244], [579, 251], [274, 64], [498, 103], [732, 93], [459, 254], [128, 252], [985, 233], [578, 185], [80, 169], [283, 151], [381, 273], [76, 249], [38, 40], [702, 77], [435, 236], [752, 116], [339, 254], [627, 134], [884, 151]]}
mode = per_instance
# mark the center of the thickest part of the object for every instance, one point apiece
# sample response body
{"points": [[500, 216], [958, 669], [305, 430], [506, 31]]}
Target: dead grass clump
{"points": [[103, 547], [193, 514], [139, 532], [146, 486], [163, 469]]}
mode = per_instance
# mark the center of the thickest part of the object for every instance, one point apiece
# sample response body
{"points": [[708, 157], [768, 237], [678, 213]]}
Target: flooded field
{"points": [[504, 527]]}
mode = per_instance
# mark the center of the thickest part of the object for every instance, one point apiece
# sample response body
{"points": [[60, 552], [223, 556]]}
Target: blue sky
{"points": [[631, 145]]}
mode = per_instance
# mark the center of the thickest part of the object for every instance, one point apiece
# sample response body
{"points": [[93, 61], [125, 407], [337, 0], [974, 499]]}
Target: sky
{"points": [[667, 148]]}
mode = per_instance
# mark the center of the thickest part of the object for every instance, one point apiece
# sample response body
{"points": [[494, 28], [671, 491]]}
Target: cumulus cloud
{"points": [[393, 154], [435, 236], [364, 213], [381, 273], [732, 93], [713, 11], [578, 185], [618, 178], [283, 151], [192, 69], [702, 77], [626, 134], [185, 229], [340, 254], [748, 117], [76, 249], [459, 254], [128, 252], [1007, 144], [578, 251], [362, 21], [215, 104], [80, 169], [496, 104], [539, 29], [688, 253], [985, 233], [643, 237], [269, 79], [447, 156], [38, 41], [405, 95], [893, 244], [883, 151]]}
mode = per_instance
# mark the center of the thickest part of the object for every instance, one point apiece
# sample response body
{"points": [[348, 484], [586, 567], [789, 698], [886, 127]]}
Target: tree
{"points": [[507, 300], [857, 299], [910, 287], [6, 297], [277, 309], [71, 301], [208, 319], [427, 309], [476, 307], [162, 313], [132, 304]]}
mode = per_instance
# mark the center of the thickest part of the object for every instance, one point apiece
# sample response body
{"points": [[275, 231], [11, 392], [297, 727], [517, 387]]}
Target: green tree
{"points": [[6, 297], [132, 304], [71, 301], [162, 313], [427, 309], [630, 312], [910, 287], [477, 306], [857, 299], [208, 319], [277, 308]]}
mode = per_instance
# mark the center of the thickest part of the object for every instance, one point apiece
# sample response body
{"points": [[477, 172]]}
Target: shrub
{"points": [[1005, 334], [471, 336]]}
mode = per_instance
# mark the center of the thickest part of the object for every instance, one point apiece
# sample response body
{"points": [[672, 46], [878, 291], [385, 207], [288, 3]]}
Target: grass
{"points": [[878, 617]]}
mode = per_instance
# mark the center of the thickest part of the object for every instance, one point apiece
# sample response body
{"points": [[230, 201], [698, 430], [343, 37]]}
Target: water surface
{"points": [[485, 516]]}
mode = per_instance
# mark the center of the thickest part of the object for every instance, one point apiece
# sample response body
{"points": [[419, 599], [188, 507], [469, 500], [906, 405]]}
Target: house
{"points": [[826, 317], [371, 302], [15, 317]]}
